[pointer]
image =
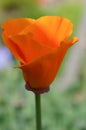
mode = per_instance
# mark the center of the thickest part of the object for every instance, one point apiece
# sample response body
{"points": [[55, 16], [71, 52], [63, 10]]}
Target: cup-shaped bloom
{"points": [[40, 46]]}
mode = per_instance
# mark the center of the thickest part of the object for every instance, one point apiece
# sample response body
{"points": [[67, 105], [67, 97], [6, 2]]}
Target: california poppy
{"points": [[40, 46]]}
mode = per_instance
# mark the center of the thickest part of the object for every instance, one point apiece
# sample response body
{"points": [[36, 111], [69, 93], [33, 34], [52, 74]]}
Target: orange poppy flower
{"points": [[40, 46]]}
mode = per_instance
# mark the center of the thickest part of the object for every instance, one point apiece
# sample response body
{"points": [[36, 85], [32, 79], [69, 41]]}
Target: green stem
{"points": [[38, 112]]}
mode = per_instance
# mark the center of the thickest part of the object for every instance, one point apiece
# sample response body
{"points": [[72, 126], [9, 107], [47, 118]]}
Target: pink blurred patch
{"points": [[5, 58]]}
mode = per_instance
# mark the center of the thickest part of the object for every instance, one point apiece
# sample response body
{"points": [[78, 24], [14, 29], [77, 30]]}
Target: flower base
{"points": [[37, 91]]}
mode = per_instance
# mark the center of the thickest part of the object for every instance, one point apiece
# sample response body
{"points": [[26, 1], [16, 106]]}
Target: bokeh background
{"points": [[64, 107]]}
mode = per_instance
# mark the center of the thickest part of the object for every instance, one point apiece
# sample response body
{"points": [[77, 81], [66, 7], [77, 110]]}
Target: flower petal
{"points": [[15, 26], [74, 40], [51, 30], [14, 48], [29, 49], [40, 73]]}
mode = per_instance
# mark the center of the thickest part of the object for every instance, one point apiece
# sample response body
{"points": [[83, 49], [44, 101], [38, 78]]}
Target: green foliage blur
{"points": [[60, 110]]}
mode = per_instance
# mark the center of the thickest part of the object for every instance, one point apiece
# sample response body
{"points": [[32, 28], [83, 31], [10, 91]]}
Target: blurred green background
{"points": [[61, 110]]}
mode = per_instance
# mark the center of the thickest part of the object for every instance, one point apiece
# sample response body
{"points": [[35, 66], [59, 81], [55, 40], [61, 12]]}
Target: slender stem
{"points": [[38, 112]]}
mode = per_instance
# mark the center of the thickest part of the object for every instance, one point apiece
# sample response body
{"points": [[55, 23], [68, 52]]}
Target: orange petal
{"points": [[56, 26], [74, 40], [15, 26], [29, 49], [70, 43], [51, 30], [15, 49], [40, 73]]}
